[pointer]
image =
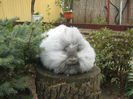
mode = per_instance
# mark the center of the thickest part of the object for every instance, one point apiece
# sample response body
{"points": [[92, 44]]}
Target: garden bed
{"points": [[20, 47]]}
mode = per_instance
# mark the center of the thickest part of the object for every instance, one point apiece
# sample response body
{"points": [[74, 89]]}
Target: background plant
{"points": [[129, 84], [48, 11], [114, 52], [99, 20], [67, 5], [59, 3], [19, 47]]}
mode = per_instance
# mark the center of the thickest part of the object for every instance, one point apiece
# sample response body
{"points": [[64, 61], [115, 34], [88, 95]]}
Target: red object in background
{"points": [[68, 15], [108, 11]]}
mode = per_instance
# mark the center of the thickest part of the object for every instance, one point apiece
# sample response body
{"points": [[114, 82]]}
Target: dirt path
{"points": [[112, 93]]}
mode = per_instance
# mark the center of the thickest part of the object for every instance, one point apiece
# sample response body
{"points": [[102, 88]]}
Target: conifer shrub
{"points": [[19, 47], [114, 52]]}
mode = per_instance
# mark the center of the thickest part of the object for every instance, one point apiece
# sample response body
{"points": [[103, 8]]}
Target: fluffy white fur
{"points": [[58, 38]]}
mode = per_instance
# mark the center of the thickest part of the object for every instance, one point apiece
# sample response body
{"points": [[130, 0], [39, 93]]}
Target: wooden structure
{"points": [[99, 26], [59, 86], [89, 11], [22, 9], [94, 26], [85, 11]]}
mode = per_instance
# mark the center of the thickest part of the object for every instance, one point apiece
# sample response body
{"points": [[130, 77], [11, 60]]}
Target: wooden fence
{"points": [[90, 11], [22, 9]]}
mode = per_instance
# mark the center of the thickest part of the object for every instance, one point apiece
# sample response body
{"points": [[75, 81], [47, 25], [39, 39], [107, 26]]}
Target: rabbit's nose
{"points": [[72, 60]]}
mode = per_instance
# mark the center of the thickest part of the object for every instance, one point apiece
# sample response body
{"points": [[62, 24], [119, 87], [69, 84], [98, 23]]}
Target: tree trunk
{"points": [[32, 9], [59, 86]]}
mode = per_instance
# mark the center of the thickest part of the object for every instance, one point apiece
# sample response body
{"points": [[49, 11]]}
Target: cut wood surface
{"points": [[60, 86]]}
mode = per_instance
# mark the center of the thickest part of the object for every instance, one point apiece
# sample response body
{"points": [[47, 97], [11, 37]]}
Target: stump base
{"points": [[60, 86]]}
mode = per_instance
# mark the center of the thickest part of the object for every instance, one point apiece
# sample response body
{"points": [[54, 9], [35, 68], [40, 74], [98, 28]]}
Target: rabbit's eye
{"points": [[65, 49], [78, 49]]}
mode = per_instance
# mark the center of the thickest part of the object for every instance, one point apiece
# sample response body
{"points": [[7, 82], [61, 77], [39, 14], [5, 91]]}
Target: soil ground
{"points": [[112, 93]]}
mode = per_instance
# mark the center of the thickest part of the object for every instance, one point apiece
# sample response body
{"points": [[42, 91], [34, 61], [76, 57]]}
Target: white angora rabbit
{"points": [[66, 51]]}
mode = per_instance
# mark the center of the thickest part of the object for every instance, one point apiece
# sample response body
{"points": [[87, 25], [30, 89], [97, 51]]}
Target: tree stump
{"points": [[60, 86]]}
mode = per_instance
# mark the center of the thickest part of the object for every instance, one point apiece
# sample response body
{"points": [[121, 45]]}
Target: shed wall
{"points": [[22, 9]]}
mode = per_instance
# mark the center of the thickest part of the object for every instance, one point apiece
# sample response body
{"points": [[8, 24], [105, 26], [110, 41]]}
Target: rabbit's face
{"points": [[71, 64], [71, 52]]}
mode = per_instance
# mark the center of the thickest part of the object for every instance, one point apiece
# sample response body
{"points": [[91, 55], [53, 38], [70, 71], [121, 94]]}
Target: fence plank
{"points": [[22, 9], [95, 9], [87, 11], [79, 8]]}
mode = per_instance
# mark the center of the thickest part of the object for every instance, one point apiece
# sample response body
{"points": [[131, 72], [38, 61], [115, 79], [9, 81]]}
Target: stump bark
{"points": [[59, 86]]}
